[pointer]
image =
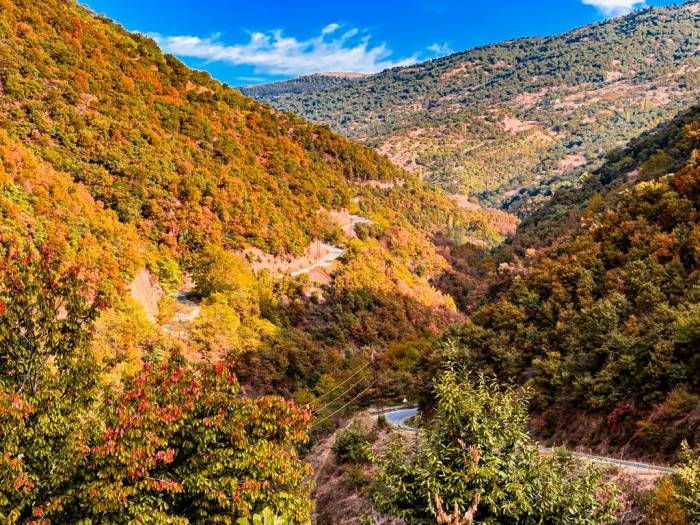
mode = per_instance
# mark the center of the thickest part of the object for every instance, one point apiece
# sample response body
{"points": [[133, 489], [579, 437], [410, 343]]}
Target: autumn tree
{"points": [[180, 443], [47, 382], [176, 443], [687, 482]]}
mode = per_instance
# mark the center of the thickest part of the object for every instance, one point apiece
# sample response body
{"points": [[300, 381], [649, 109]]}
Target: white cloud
{"points": [[330, 28], [614, 7], [440, 49], [277, 54]]}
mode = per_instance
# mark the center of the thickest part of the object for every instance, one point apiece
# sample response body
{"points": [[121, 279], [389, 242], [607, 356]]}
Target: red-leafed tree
{"points": [[180, 442], [47, 382], [176, 444]]}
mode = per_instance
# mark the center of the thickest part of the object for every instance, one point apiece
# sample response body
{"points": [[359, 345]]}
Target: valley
{"points": [[204, 296]]}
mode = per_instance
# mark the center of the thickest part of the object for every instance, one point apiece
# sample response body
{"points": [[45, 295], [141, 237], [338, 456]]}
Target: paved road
{"points": [[623, 463], [398, 417], [333, 253], [192, 309]]}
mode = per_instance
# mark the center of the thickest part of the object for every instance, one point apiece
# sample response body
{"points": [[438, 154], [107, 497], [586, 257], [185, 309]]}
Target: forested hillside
{"points": [[168, 148], [515, 121], [183, 170], [315, 82], [602, 324], [196, 287], [593, 309], [126, 177]]}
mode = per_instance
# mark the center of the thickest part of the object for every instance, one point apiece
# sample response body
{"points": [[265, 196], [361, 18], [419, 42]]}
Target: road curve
{"points": [[333, 253], [192, 309], [397, 418], [623, 463]]}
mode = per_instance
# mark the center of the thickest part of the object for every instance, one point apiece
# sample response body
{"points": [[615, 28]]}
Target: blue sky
{"points": [[248, 42]]}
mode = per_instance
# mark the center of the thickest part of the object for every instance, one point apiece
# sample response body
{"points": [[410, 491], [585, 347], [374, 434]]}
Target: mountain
{"points": [[513, 122], [168, 148], [175, 172], [196, 288], [593, 308], [603, 323], [165, 237], [296, 86]]}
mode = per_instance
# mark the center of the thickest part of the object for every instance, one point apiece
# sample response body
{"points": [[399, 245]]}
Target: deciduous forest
{"points": [[204, 299]]}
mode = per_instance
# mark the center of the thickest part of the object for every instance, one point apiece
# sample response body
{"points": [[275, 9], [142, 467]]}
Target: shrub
{"points": [[663, 508], [687, 482], [352, 444], [355, 477]]}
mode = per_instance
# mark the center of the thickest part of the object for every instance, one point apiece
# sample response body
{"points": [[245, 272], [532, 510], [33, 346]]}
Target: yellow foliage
{"points": [[219, 270], [664, 509], [122, 337], [370, 265], [38, 202], [219, 329]]}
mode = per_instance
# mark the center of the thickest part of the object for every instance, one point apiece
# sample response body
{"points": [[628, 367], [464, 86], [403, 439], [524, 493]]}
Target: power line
{"points": [[339, 396], [341, 384], [341, 408]]}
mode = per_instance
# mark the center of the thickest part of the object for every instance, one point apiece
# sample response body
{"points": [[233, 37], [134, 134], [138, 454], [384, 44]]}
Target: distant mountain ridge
{"points": [[512, 122], [304, 84]]}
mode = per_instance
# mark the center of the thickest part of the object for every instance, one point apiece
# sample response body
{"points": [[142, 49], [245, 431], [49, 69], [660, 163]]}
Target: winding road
{"points": [[397, 418], [192, 309], [333, 253]]}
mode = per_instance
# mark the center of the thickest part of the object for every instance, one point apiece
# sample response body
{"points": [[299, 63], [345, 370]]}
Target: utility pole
{"points": [[377, 385]]}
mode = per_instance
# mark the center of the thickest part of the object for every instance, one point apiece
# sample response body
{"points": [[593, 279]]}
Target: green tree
{"points": [[219, 270], [352, 444], [266, 517], [476, 462], [47, 382], [687, 482]]}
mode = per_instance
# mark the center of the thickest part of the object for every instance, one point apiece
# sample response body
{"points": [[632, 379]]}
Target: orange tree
{"points": [[176, 444]]}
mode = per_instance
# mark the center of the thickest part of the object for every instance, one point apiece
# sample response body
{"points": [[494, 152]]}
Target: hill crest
{"points": [[511, 123]]}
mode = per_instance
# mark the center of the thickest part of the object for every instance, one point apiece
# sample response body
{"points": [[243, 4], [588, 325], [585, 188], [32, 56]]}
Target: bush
{"points": [[687, 482], [352, 444], [663, 507], [355, 477], [676, 499], [477, 460]]}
